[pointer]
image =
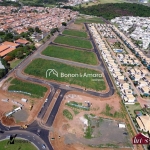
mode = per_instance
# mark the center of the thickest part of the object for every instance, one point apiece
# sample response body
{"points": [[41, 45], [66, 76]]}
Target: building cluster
{"points": [[136, 51], [7, 47], [137, 74], [76, 2], [114, 69], [44, 18], [138, 29], [128, 60]]}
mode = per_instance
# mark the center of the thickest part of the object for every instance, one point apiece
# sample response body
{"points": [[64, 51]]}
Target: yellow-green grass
{"points": [[75, 33], [100, 2], [89, 20], [73, 41], [17, 145], [83, 77], [71, 54], [14, 63], [132, 108], [34, 89]]}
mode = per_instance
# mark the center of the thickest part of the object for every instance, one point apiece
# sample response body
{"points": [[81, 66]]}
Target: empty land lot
{"points": [[71, 54], [75, 33], [66, 73], [34, 89], [73, 41], [89, 20]]}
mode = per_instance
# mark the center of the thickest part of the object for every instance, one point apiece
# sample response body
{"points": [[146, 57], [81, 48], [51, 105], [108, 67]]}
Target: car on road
{"points": [[1, 131], [43, 146]]}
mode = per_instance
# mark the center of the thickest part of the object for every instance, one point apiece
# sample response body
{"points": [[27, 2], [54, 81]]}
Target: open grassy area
{"points": [[67, 114], [14, 63], [131, 108], [71, 54], [89, 20], [16, 146], [74, 75], [75, 33], [73, 41], [34, 89], [100, 2]]}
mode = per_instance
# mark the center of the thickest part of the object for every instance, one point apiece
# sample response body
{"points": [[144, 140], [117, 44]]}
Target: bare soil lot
{"points": [[71, 132], [18, 119]]}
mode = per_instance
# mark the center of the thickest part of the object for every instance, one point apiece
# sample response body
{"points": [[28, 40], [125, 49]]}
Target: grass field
{"points": [[100, 2], [14, 63], [35, 89], [131, 108], [73, 41], [16, 146], [89, 20], [71, 54], [66, 73], [75, 33], [67, 114]]}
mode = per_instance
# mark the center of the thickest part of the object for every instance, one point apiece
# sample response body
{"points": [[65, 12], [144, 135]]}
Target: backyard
{"points": [[71, 54], [73, 41], [65, 73], [75, 33], [132, 108], [34, 90]]}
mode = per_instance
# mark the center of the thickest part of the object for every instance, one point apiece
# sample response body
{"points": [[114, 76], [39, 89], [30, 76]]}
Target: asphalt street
{"points": [[31, 131]]}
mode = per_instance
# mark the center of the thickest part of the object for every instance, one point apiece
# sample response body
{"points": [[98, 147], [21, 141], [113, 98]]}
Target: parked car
{"points": [[43, 146]]}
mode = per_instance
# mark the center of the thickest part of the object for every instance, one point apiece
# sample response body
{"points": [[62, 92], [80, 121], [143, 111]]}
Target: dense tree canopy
{"points": [[109, 11]]}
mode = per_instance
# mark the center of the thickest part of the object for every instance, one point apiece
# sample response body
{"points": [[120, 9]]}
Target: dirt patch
{"points": [[63, 126], [9, 106], [9, 121], [79, 27]]}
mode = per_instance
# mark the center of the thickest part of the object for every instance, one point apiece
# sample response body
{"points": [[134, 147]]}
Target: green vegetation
{"points": [[67, 114], [6, 65], [72, 41], [17, 146], [89, 130], [74, 104], [108, 112], [112, 10], [75, 33], [34, 89], [14, 63], [71, 54], [89, 20], [76, 111], [75, 75], [132, 108], [9, 3], [20, 52]]}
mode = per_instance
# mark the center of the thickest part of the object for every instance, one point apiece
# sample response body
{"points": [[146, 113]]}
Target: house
{"points": [[144, 122], [145, 91], [22, 41]]}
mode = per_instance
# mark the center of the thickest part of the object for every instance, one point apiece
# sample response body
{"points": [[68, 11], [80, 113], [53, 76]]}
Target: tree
{"points": [[64, 23], [19, 55], [31, 30], [37, 30]]}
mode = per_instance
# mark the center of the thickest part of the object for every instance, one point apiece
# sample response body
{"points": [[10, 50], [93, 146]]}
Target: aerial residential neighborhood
{"points": [[74, 75]]}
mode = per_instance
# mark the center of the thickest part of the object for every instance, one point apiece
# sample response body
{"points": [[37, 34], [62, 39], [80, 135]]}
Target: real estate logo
{"points": [[51, 71], [140, 139]]}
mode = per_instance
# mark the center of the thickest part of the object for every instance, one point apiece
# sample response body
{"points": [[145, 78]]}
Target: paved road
{"points": [[54, 86]]}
